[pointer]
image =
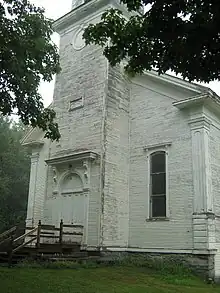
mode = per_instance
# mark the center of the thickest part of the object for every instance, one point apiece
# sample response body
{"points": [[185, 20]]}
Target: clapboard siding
{"points": [[155, 121]]}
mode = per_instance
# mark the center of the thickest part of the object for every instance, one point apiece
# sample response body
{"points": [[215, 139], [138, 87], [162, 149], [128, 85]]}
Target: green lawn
{"points": [[97, 280]]}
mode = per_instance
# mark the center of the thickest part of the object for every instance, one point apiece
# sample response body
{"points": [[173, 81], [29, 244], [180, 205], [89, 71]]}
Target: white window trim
{"points": [[150, 150]]}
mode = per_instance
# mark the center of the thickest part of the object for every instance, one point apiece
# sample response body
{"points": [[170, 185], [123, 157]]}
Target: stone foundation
{"points": [[201, 265]]}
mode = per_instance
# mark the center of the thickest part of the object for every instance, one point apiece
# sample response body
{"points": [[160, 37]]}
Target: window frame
{"points": [[79, 103], [150, 151]]}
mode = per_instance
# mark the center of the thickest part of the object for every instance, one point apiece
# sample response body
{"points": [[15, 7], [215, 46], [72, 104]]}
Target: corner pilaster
{"points": [[203, 217], [203, 201], [32, 189]]}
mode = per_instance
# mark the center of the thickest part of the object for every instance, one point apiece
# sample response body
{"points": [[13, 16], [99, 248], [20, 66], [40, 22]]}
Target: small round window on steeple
{"points": [[78, 41]]}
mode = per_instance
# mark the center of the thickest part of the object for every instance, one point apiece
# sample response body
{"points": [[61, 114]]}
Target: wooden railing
{"points": [[14, 244], [22, 237], [7, 235], [48, 231]]}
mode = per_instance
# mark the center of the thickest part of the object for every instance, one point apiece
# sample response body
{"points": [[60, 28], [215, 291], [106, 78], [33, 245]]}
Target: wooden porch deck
{"points": [[42, 242]]}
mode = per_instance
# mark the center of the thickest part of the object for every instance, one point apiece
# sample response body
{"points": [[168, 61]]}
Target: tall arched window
{"points": [[158, 184]]}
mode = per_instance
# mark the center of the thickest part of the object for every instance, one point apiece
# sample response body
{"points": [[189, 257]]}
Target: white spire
{"points": [[76, 3]]}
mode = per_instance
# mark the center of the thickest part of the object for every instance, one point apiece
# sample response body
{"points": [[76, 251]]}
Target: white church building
{"points": [[138, 162]]}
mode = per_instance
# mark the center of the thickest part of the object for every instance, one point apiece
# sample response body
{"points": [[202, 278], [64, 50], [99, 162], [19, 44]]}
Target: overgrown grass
{"points": [[98, 279], [164, 267], [58, 265], [157, 265]]}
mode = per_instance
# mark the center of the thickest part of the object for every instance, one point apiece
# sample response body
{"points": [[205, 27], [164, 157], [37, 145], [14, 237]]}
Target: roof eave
{"points": [[177, 81], [33, 143], [208, 97]]}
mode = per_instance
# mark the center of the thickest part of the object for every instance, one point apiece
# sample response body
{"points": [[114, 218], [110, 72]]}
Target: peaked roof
{"points": [[197, 93], [177, 81], [34, 136]]}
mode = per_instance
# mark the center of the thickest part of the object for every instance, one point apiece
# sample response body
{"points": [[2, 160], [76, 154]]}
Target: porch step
{"points": [[75, 255], [46, 251], [76, 259], [17, 257], [56, 248]]}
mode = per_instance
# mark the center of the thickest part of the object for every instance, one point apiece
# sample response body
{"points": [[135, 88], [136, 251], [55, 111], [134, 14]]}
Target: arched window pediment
{"points": [[71, 183]]}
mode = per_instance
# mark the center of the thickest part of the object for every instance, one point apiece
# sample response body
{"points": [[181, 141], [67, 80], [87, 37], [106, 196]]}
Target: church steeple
{"points": [[77, 3]]}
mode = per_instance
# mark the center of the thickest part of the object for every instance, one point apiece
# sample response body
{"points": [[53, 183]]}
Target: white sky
{"points": [[55, 9]]}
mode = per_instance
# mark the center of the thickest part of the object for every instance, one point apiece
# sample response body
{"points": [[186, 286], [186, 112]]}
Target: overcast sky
{"points": [[55, 9]]}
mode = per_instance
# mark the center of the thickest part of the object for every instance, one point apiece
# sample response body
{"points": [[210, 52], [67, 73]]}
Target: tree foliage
{"points": [[14, 174], [178, 35], [27, 55]]}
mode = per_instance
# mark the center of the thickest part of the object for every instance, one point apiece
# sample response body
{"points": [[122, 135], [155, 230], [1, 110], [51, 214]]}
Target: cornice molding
{"points": [[208, 97], [164, 145], [79, 156]]}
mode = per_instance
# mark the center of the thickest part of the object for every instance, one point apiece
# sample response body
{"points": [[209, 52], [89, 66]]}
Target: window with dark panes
{"points": [[158, 184]]}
